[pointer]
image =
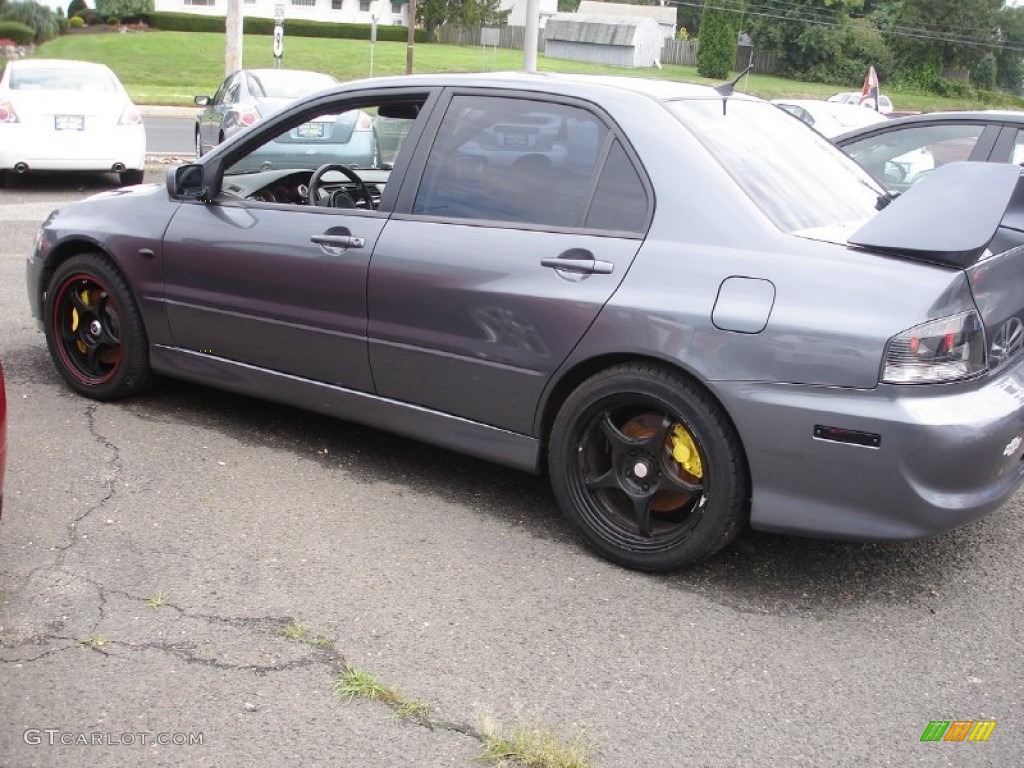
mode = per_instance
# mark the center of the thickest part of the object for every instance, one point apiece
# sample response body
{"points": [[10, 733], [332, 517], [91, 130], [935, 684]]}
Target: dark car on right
{"points": [[901, 151]]}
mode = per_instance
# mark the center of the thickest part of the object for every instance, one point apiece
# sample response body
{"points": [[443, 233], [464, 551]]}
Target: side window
{"points": [[620, 201], [1017, 158], [340, 157], [513, 160], [900, 158], [232, 90]]}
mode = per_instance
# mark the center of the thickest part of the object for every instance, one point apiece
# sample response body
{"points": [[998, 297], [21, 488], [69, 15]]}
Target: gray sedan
{"points": [[688, 310]]}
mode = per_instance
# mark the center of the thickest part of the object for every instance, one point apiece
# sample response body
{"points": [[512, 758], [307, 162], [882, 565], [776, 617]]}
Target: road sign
{"points": [[279, 41]]}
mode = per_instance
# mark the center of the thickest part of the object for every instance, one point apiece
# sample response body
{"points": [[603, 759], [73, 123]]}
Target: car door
{"points": [[210, 117], [260, 276], [526, 215]]}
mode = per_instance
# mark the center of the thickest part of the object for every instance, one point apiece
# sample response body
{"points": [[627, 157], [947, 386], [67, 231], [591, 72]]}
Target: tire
{"points": [[132, 176], [648, 469], [3, 178], [199, 145], [94, 330]]}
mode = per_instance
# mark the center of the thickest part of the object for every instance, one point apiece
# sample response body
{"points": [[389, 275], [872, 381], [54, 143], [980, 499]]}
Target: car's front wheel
{"points": [[94, 330], [199, 145], [648, 469]]}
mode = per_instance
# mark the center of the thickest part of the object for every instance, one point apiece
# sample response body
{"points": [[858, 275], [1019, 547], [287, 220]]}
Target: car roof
{"points": [[55, 64], [570, 84], [964, 116]]}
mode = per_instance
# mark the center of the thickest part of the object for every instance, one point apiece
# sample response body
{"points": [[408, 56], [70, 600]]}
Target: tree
{"points": [[929, 36], [719, 26], [125, 10], [433, 13], [41, 19], [818, 39], [1010, 58]]}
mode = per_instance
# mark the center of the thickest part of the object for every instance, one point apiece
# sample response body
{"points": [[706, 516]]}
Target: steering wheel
{"points": [[361, 190]]}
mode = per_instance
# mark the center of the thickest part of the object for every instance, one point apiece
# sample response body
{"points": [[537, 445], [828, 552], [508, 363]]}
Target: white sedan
{"points": [[830, 118], [857, 98], [64, 115]]}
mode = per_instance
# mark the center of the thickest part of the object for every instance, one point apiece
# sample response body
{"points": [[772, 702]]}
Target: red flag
{"points": [[869, 93]]}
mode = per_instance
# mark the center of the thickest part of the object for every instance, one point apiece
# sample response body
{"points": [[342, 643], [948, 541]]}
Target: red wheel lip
{"points": [[67, 363]]}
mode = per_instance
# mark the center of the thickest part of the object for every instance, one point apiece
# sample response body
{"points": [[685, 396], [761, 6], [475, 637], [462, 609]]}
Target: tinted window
{"points": [[620, 201], [514, 160]]}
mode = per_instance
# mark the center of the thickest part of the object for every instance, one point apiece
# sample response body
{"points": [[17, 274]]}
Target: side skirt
{"points": [[441, 429]]}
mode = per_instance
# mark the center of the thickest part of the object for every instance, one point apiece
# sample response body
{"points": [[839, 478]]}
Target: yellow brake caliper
{"points": [[74, 320], [684, 450]]}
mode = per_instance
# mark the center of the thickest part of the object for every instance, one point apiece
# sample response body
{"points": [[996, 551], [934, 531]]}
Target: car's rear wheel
{"points": [[94, 329], [132, 176], [648, 469]]}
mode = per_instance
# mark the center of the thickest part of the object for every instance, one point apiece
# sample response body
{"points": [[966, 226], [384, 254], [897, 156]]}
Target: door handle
{"points": [[337, 243], [589, 266]]}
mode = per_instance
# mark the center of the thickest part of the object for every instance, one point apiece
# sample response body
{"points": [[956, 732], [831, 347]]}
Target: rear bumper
{"points": [[947, 455], [73, 150]]}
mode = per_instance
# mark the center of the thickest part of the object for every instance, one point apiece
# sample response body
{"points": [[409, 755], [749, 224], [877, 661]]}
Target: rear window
{"points": [[798, 178], [52, 79]]}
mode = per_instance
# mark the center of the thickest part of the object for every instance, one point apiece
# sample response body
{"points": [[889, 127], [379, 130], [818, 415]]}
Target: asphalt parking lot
{"points": [[157, 556]]}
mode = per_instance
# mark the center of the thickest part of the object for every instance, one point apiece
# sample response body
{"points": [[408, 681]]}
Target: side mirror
{"points": [[185, 182], [202, 101]]}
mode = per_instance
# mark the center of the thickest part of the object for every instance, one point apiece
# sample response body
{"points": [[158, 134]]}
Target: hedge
{"points": [[22, 34], [188, 22]]}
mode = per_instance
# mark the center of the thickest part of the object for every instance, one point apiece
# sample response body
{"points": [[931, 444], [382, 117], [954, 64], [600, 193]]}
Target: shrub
{"points": [[18, 33], [77, 22], [113, 21], [40, 19], [187, 22], [128, 10], [75, 7]]}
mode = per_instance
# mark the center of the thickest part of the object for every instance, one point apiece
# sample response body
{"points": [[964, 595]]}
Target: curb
{"points": [[158, 110]]}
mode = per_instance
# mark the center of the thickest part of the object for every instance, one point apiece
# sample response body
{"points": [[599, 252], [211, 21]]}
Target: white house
{"points": [[391, 12]]}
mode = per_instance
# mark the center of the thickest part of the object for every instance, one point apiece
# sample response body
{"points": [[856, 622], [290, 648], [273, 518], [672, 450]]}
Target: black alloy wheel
{"points": [[648, 468], [94, 330]]}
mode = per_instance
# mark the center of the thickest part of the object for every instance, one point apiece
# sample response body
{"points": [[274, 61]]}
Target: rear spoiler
{"points": [[949, 217]]}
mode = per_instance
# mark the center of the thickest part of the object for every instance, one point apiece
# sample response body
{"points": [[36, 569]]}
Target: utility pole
{"points": [[233, 44], [411, 40], [531, 36]]}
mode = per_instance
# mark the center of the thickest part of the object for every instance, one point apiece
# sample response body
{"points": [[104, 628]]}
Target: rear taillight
{"points": [[946, 349], [364, 122], [7, 113], [130, 116], [247, 117]]}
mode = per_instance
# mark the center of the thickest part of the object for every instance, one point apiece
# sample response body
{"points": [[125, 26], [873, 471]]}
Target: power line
{"points": [[893, 30]]}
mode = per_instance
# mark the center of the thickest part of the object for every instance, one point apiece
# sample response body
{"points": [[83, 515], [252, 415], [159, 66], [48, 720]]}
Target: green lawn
{"points": [[172, 67]]}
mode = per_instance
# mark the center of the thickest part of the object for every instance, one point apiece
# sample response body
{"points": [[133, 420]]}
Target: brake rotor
{"points": [[680, 455]]}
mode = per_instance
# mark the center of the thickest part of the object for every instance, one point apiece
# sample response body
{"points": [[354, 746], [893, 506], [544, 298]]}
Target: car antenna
{"points": [[726, 89]]}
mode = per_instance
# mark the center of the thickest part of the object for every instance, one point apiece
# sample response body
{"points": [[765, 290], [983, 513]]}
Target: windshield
{"points": [[282, 84], [796, 177]]}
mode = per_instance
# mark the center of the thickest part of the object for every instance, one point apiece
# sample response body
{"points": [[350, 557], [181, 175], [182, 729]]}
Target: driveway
{"points": [[203, 566]]}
